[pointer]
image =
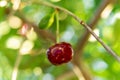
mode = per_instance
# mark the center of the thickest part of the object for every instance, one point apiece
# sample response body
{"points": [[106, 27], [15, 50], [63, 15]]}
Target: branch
{"points": [[101, 42], [65, 75], [79, 73], [108, 49], [83, 40], [16, 66], [70, 74]]}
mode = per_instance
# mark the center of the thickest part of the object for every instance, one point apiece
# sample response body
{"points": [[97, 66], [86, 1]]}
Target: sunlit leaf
{"points": [[51, 20]]}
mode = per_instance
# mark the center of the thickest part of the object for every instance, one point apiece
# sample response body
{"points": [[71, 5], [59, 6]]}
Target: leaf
{"points": [[51, 20], [47, 21], [44, 22]]}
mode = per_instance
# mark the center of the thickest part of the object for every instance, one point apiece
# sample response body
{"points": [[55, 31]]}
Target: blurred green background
{"points": [[23, 50]]}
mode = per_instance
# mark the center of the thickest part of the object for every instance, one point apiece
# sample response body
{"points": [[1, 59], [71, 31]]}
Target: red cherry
{"points": [[60, 53]]}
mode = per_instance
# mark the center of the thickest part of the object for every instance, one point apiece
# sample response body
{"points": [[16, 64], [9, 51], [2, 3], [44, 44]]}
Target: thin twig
{"points": [[82, 23], [101, 42]]}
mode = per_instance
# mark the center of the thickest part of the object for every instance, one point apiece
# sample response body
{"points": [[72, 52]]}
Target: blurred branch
{"points": [[83, 40], [69, 74], [16, 66], [65, 75], [16, 4], [83, 69], [93, 21], [79, 73]]}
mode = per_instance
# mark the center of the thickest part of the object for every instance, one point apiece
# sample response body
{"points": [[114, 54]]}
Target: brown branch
{"points": [[93, 21], [83, 40], [85, 71], [102, 43]]}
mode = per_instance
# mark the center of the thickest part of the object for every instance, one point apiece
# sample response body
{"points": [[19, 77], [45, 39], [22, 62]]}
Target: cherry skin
{"points": [[60, 53]]}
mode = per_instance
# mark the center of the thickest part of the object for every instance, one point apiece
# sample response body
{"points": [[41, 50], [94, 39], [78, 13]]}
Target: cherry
{"points": [[60, 53]]}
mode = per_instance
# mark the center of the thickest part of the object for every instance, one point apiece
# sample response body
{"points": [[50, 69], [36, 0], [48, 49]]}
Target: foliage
{"points": [[34, 64]]}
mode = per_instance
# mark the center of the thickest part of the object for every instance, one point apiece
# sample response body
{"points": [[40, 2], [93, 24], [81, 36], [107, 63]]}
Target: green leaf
{"points": [[44, 22], [51, 20], [47, 21]]}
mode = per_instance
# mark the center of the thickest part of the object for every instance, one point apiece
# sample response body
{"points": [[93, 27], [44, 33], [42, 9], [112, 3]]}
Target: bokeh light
{"points": [[14, 22], [67, 36], [92, 39], [14, 42], [99, 65], [4, 28], [48, 76], [3, 3], [31, 35], [37, 71], [107, 11], [26, 47]]}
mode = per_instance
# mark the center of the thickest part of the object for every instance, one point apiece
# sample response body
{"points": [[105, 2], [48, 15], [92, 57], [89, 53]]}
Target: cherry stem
{"points": [[57, 27]]}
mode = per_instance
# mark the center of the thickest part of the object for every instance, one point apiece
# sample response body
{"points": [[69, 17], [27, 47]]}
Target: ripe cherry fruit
{"points": [[60, 53]]}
